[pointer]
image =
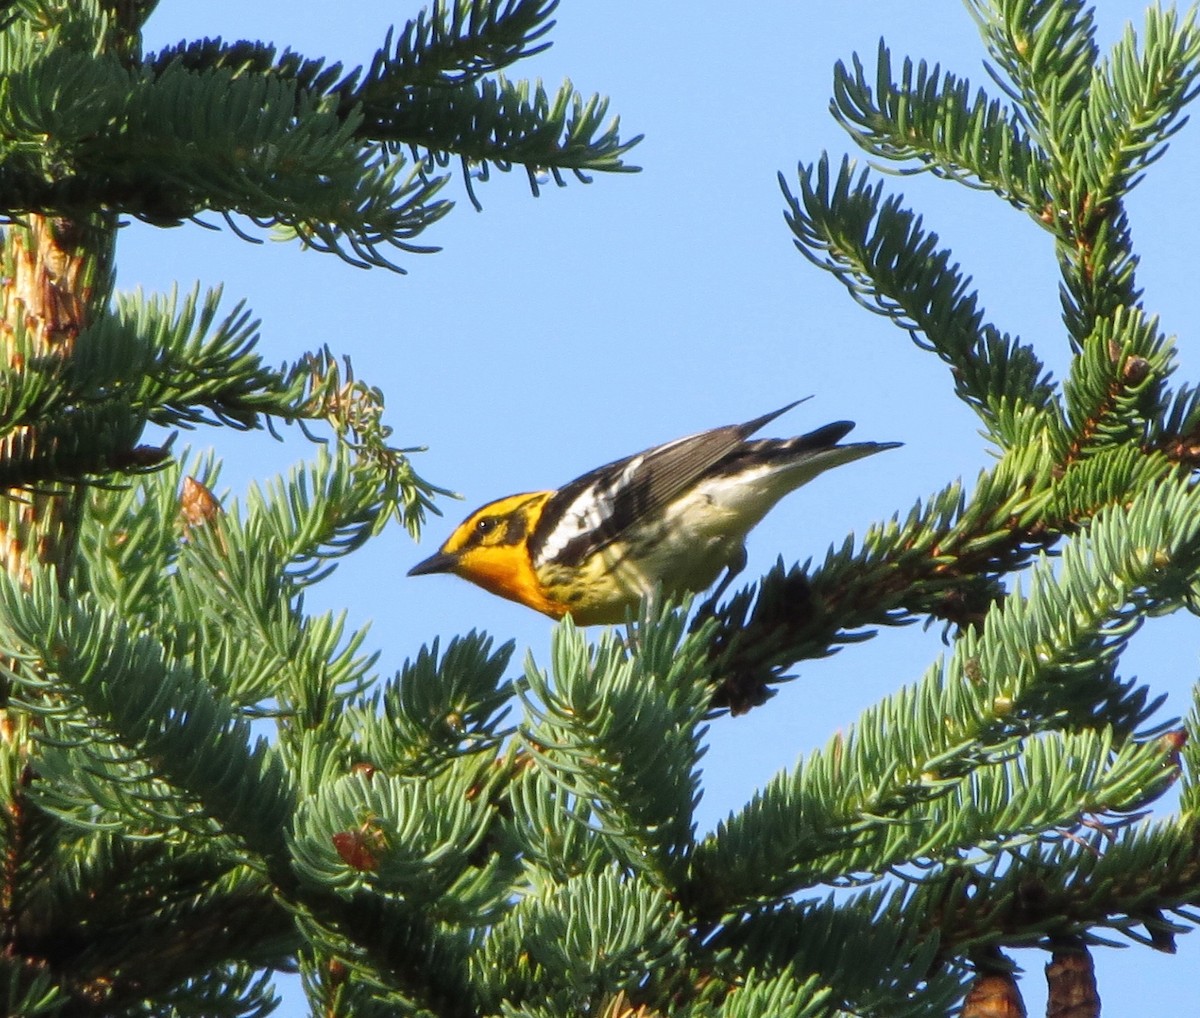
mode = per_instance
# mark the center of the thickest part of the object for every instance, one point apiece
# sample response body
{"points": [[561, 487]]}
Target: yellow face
{"points": [[489, 549]]}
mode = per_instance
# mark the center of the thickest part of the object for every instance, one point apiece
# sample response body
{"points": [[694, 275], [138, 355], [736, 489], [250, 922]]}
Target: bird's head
{"points": [[491, 549]]}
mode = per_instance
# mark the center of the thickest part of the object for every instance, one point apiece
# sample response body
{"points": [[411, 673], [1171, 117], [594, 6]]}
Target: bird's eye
{"points": [[485, 524]]}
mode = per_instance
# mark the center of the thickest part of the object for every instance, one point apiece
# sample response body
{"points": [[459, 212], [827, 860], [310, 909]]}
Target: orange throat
{"points": [[507, 572]]}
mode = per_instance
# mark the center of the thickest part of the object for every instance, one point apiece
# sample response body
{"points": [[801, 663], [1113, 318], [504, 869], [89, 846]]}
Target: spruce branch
{"points": [[428, 90], [944, 561], [503, 123], [198, 918], [553, 827], [882, 253], [1079, 135], [138, 802], [416, 848], [378, 958], [243, 577], [877, 967], [177, 363], [31, 990], [355, 412], [161, 711], [1136, 100], [1131, 110], [1064, 464], [783, 994], [1044, 51], [931, 117], [1119, 882], [1177, 433], [1037, 663], [584, 937], [459, 40], [439, 707], [76, 444], [1116, 385], [620, 730], [130, 539], [410, 847], [251, 146], [433, 88]]}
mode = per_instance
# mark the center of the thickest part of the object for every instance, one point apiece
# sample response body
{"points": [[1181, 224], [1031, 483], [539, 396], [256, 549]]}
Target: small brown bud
{"points": [[197, 505], [358, 849], [993, 995], [1135, 370]]}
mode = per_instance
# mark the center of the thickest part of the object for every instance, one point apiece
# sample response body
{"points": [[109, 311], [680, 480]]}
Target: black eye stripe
{"points": [[497, 530]]}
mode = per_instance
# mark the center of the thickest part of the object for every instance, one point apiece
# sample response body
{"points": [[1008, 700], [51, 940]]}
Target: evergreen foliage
{"points": [[464, 838]]}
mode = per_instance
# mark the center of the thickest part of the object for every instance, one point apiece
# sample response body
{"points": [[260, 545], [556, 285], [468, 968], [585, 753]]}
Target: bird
{"points": [[672, 518]]}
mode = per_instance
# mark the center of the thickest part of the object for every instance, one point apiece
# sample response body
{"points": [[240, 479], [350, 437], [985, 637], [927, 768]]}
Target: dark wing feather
{"points": [[594, 510]]}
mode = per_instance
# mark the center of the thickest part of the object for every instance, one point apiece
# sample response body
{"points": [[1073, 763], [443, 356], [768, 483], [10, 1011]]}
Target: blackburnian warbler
{"points": [[673, 516]]}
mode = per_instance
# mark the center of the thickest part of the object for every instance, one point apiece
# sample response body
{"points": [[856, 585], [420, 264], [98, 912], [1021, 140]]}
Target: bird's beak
{"points": [[439, 563]]}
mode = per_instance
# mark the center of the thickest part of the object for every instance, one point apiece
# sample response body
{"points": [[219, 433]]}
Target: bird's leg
{"points": [[734, 566]]}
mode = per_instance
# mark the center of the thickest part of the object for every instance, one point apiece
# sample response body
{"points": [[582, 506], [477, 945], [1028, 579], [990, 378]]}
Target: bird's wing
{"points": [[594, 510]]}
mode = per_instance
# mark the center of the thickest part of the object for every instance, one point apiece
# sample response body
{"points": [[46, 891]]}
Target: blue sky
{"points": [[551, 335]]}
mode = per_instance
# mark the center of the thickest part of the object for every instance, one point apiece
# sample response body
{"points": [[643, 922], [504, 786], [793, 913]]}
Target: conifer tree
{"points": [[153, 858], [466, 835]]}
